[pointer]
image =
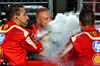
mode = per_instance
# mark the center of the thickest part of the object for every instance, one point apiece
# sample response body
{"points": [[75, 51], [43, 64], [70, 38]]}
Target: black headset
{"points": [[21, 21]]}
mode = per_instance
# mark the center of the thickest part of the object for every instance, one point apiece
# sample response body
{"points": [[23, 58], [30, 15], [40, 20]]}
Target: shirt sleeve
{"points": [[31, 44], [67, 53]]}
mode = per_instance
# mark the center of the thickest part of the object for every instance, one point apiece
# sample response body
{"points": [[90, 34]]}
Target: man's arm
{"points": [[67, 53], [31, 44]]}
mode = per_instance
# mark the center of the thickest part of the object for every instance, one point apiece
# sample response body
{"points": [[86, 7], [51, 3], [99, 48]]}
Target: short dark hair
{"points": [[86, 17], [12, 10]]}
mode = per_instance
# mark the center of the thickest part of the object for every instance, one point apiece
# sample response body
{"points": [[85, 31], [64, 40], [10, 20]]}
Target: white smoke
{"points": [[97, 26], [61, 28]]}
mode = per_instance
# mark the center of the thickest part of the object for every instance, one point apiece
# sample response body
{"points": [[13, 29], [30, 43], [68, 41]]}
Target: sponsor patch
{"points": [[2, 37], [96, 59], [1, 51], [96, 46]]}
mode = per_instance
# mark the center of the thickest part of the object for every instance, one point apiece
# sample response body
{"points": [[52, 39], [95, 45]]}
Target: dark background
{"points": [[59, 6]]}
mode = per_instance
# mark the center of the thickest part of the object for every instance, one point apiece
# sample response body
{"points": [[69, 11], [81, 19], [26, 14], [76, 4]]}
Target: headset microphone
{"points": [[21, 21]]}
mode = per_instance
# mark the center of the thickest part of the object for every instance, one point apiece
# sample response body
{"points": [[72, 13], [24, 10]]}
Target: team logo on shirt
{"points": [[94, 33], [2, 37], [6, 26], [96, 46]]}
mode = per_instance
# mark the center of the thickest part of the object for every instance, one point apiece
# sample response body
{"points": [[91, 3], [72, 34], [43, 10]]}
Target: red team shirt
{"points": [[14, 40], [83, 48], [35, 29]]}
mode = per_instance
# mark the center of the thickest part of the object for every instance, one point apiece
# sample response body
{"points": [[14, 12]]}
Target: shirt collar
{"points": [[11, 22], [89, 28], [37, 27]]}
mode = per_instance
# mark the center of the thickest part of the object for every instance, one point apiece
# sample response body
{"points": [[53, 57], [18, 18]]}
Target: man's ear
{"points": [[38, 21], [15, 17], [94, 22], [80, 23]]}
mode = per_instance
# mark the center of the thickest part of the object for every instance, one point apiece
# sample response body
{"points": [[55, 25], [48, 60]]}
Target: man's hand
{"points": [[45, 38], [43, 53]]}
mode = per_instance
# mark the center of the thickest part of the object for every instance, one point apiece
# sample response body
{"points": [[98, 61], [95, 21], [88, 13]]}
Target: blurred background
{"points": [[54, 6]]}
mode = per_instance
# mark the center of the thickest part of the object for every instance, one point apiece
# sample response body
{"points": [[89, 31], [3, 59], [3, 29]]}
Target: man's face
{"points": [[44, 18], [23, 17]]}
